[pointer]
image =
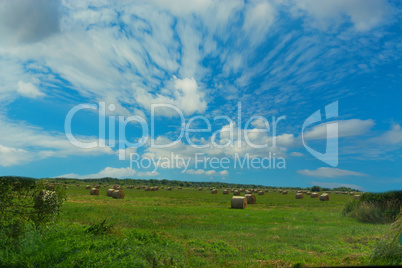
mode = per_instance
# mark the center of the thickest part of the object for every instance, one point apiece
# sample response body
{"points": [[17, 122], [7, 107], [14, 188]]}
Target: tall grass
{"points": [[389, 250], [375, 208]]}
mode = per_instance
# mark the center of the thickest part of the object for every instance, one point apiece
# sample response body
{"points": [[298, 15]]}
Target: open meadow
{"points": [[191, 228]]}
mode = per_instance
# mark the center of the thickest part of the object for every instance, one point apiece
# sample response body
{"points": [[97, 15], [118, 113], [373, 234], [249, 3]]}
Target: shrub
{"points": [[375, 207], [100, 228], [316, 189], [389, 250], [25, 201]]}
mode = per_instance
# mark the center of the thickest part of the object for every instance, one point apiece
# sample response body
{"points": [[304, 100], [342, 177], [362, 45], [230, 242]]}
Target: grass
{"points": [[191, 228]]}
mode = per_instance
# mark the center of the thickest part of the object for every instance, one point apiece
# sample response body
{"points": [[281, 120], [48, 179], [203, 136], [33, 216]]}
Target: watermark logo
{"points": [[331, 153], [249, 144]]}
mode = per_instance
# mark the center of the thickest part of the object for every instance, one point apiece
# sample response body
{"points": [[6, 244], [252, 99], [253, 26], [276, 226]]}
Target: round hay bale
{"points": [[118, 194], [279, 191], [225, 192], [299, 192], [261, 193], [239, 202], [251, 199], [247, 192], [200, 189], [357, 197], [147, 189], [110, 192], [324, 197], [314, 195], [285, 192], [308, 193], [214, 191], [88, 187], [236, 192], [169, 188], [179, 188], [152, 189], [163, 187], [299, 196], [138, 187], [94, 191], [352, 193]]}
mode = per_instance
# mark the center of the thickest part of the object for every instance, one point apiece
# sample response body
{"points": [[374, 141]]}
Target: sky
{"points": [[276, 93]]}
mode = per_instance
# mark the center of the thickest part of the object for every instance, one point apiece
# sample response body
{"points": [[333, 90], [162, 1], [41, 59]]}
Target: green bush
{"points": [[389, 250], [375, 207], [24, 202]]}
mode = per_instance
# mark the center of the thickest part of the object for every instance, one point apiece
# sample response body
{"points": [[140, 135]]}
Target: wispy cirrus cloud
{"points": [[327, 172], [106, 172]]}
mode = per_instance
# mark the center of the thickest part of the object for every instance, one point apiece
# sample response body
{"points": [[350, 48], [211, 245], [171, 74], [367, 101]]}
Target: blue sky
{"points": [[274, 58]]}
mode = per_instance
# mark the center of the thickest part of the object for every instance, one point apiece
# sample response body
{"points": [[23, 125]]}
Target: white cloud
{"points": [[11, 156], [259, 17], [184, 94], [346, 128], [107, 172], [31, 143], [363, 14], [224, 172], [195, 171], [329, 172], [28, 90], [207, 172], [210, 172], [297, 154], [391, 137]]}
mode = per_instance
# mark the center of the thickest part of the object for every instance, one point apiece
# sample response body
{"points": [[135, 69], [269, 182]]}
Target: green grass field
{"points": [[191, 228]]}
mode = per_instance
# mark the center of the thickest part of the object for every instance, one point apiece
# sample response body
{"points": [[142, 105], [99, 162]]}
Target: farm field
{"points": [[191, 228]]}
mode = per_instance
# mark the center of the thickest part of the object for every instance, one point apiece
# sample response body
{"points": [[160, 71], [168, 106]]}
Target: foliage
{"points": [[389, 250], [25, 201], [316, 189], [375, 207], [100, 228]]}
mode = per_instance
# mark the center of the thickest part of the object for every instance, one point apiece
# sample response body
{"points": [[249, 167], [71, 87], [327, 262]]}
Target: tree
{"points": [[316, 189]]}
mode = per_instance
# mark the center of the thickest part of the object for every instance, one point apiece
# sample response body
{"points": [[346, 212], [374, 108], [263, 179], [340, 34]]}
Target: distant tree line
{"points": [[164, 182]]}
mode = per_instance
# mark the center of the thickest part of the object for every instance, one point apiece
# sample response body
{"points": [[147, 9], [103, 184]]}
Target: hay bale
{"points": [[214, 191], [356, 197], [118, 194], [236, 192], [225, 192], [147, 189], [352, 193], [88, 187], [163, 187], [284, 192], [94, 191], [299, 196], [180, 188], [169, 188], [251, 199], [308, 193], [324, 197], [200, 189], [138, 187], [110, 192], [261, 193], [152, 189], [314, 195], [247, 192], [239, 202]]}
